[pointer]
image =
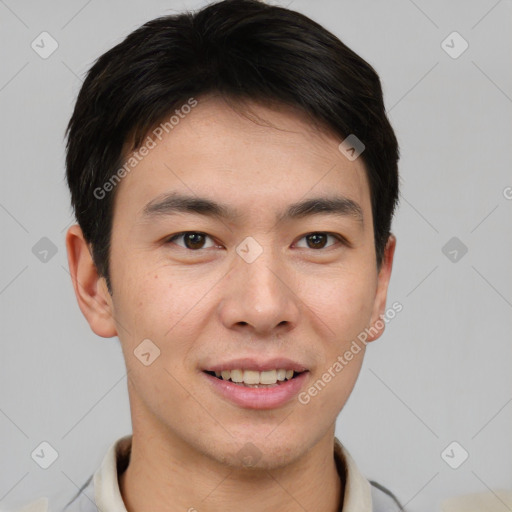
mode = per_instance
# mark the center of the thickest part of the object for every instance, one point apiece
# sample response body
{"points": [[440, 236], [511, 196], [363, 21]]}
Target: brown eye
{"points": [[193, 240], [318, 240]]}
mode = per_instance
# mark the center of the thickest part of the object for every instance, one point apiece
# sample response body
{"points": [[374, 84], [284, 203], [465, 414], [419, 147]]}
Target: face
{"points": [[218, 268]]}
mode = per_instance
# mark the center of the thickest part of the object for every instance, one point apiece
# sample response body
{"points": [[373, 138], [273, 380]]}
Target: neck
{"points": [[167, 475]]}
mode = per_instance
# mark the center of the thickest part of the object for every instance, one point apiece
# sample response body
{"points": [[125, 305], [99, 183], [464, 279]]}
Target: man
{"points": [[234, 177]]}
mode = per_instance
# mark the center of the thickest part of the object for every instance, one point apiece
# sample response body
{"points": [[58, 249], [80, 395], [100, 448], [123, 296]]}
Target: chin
{"points": [[253, 451]]}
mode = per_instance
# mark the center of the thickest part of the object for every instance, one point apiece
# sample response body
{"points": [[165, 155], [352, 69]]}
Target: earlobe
{"points": [[90, 289], [377, 323]]}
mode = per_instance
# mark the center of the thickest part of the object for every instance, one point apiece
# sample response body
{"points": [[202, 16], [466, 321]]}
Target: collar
{"points": [[357, 497]]}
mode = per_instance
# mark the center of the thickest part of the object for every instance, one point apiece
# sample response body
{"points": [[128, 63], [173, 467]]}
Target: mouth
{"points": [[255, 378], [265, 388], [256, 383]]}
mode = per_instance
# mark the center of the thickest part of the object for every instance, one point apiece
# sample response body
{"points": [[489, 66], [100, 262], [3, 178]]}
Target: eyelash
{"points": [[340, 238]]}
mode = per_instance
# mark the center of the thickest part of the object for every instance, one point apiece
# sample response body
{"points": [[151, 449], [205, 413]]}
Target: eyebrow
{"points": [[174, 202]]}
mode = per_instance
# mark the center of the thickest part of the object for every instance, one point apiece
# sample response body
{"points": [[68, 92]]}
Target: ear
{"points": [[91, 290], [378, 325]]}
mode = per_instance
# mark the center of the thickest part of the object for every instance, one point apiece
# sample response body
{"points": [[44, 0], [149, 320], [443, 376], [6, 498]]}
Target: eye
{"points": [[318, 239], [193, 240]]}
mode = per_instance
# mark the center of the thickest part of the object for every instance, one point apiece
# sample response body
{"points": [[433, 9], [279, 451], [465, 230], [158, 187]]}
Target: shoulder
{"points": [[361, 493], [82, 501], [101, 487], [383, 499], [38, 505]]}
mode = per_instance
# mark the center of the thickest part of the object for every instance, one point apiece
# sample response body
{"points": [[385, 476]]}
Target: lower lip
{"points": [[258, 398]]}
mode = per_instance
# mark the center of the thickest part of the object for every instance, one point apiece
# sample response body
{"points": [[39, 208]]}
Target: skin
{"points": [[301, 299]]}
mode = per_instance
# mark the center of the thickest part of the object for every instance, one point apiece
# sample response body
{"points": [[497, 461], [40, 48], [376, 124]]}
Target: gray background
{"points": [[440, 373]]}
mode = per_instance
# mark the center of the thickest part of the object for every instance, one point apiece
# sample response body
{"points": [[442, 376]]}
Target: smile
{"points": [[249, 395], [254, 378]]}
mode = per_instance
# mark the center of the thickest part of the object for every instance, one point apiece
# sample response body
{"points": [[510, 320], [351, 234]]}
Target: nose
{"points": [[260, 297]]}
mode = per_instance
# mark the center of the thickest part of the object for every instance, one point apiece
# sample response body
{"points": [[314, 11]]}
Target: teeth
{"points": [[253, 377], [268, 377], [237, 375], [249, 377]]}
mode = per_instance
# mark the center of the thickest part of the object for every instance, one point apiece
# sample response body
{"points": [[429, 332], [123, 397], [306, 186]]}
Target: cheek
{"points": [[146, 296], [153, 309], [344, 301], [164, 306], [321, 402]]}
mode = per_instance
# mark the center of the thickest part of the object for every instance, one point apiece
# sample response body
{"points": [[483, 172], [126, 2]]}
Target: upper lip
{"points": [[249, 363]]}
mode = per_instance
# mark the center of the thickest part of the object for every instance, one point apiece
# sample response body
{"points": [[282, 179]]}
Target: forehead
{"points": [[249, 157]]}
